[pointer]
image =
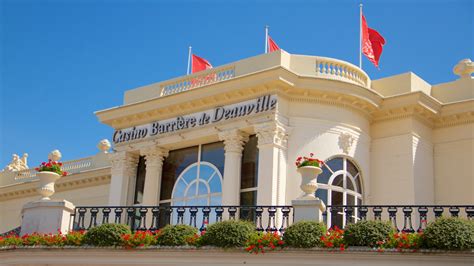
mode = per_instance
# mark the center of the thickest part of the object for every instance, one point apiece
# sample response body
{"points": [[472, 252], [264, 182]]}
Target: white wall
{"points": [[10, 210], [454, 164]]}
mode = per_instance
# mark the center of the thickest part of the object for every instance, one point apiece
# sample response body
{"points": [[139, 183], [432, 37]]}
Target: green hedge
{"points": [[304, 234], [367, 233], [228, 234], [176, 235], [450, 233], [106, 235]]}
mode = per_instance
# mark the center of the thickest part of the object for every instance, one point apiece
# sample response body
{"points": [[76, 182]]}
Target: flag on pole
{"points": [[272, 46], [372, 43], [199, 64]]}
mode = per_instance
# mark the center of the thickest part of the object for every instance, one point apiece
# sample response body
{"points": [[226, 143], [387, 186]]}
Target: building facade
{"points": [[230, 136]]}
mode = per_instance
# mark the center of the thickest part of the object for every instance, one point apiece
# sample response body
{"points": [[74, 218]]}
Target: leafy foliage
{"points": [[304, 234], [367, 233], [106, 235], [176, 235], [308, 161], [450, 233], [402, 241], [228, 233], [334, 238]]}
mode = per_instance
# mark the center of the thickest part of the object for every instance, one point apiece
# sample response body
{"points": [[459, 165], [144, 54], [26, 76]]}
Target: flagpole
{"points": [[360, 36], [266, 39], [189, 60]]}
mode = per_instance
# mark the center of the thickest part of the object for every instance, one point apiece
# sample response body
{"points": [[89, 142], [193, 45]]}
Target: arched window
{"points": [[340, 184], [200, 184]]}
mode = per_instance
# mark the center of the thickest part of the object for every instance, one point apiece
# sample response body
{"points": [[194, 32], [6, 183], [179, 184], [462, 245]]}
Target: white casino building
{"points": [[230, 136]]}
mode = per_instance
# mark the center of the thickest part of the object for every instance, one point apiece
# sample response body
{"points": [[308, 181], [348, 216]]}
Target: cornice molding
{"points": [[75, 181]]}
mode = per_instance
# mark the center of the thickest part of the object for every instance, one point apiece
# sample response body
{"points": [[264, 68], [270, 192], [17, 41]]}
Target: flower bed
{"points": [[460, 236]]}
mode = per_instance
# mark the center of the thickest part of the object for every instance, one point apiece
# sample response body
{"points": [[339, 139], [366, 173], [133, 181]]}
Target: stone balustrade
{"points": [[330, 68], [196, 80], [72, 167], [302, 65]]}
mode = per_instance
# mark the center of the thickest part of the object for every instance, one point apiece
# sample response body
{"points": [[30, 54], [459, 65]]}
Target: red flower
{"points": [[311, 155]]}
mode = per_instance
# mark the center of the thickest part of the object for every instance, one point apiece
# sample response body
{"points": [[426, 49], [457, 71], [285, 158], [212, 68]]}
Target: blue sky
{"points": [[62, 60]]}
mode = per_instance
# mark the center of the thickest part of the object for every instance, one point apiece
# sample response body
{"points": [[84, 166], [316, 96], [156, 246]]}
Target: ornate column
{"points": [[154, 164], [272, 162], [234, 141], [124, 168]]}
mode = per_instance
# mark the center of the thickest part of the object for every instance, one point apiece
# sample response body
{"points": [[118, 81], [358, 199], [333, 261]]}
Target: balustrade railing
{"points": [[265, 218], [198, 80], [340, 70], [405, 218], [72, 167]]}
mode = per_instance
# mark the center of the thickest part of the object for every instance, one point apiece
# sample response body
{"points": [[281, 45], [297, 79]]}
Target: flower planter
{"points": [[46, 184], [309, 185]]}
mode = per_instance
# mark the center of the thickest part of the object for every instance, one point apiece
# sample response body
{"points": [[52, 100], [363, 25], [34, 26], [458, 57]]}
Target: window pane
{"points": [[248, 198], [214, 153], [190, 175], [359, 185], [338, 181], [350, 201], [173, 165], [202, 190], [352, 169], [215, 184], [206, 172], [349, 184], [179, 189], [140, 181], [323, 178], [249, 168], [322, 194], [191, 191], [335, 164], [336, 219]]}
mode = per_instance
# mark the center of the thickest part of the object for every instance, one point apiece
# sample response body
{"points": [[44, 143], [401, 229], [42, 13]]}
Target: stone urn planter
{"points": [[309, 184], [46, 183]]}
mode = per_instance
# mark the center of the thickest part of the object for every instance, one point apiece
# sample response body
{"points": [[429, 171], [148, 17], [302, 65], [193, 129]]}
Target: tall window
{"points": [[139, 181], [249, 173], [193, 176], [340, 184]]}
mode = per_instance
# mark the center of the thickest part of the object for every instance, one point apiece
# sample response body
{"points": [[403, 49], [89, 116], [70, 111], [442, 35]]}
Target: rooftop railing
{"points": [[72, 167], [197, 80], [307, 66], [334, 69]]}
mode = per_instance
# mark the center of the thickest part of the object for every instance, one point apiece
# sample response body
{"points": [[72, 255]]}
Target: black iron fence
{"points": [[405, 218], [265, 218]]}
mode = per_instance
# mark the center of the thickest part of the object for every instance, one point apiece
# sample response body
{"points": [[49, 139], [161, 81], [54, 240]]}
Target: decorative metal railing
{"points": [[265, 218], [412, 217]]}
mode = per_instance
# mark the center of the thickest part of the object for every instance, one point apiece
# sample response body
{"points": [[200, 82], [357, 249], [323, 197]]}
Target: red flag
{"points": [[199, 64], [372, 43], [272, 46]]}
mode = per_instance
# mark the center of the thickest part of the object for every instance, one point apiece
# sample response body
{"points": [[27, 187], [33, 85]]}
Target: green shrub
{"points": [[106, 235], [450, 233], [367, 233], [228, 233], [304, 234], [175, 235]]}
